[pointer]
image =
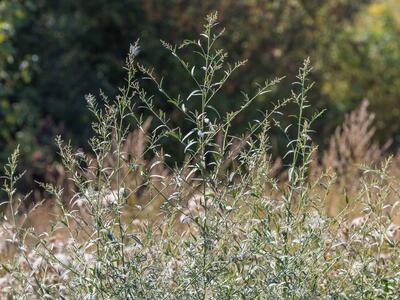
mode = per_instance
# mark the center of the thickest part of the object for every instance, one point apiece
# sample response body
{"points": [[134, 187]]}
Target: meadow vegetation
{"points": [[126, 220]]}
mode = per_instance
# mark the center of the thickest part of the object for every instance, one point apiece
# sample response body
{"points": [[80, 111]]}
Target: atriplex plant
{"points": [[217, 227]]}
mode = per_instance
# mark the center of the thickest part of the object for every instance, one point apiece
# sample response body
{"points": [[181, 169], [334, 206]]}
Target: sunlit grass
{"points": [[224, 224]]}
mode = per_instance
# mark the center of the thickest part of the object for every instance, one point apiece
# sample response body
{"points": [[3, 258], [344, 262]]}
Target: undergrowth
{"points": [[224, 224]]}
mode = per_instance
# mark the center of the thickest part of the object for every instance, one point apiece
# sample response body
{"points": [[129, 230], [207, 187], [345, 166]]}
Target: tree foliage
{"points": [[362, 63], [52, 53]]}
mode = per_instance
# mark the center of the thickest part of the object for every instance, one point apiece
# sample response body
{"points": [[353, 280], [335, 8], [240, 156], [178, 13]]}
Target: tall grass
{"points": [[221, 225]]}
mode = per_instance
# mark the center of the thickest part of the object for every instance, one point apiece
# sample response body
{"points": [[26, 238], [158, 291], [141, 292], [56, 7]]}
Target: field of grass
{"points": [[126, 221]]}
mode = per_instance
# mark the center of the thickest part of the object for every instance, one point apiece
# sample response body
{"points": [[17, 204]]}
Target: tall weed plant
{"points": [[220, 225]]}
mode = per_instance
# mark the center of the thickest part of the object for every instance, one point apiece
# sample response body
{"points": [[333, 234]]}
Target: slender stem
{"points": [[203, 160]]}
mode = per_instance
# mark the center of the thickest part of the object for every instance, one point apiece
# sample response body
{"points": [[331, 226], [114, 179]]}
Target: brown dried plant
{"points": [[352, 145]]}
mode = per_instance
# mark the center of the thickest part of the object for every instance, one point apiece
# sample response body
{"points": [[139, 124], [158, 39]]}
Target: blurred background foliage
{"points": [[52, 53]]}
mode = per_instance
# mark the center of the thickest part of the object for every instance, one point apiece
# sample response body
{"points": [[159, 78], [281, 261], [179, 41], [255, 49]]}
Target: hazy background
{"points": [[52, 53]]}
